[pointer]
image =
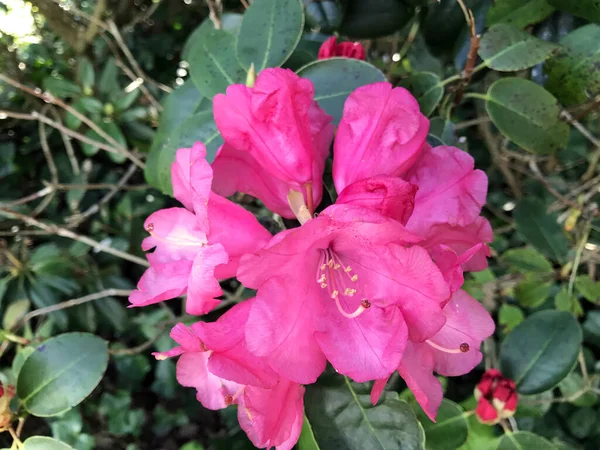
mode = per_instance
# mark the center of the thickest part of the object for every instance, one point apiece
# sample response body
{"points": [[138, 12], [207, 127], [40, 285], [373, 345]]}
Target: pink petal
{"points": [[466, 322], [161, 282], [377, 390], [273, 417], [367, 347], [416, 368], [451, 264], [281, 329], [390, 196], [381, 133], [203, 286], [450, 191], [328, 48], [211, 390]]}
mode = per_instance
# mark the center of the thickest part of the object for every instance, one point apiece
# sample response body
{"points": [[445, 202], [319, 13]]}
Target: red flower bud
{"points": [[486, 413], [498, 393], [331, 48]]}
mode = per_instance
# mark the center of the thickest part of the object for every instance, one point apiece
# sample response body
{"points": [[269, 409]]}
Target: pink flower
{"points": [[453, 351], [214, 360], [195, 246], [276, 139], [330, 48]]}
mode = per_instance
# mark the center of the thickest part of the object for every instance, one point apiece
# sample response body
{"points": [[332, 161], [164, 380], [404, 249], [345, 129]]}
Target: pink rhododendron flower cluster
{"points": [[371, 284]]}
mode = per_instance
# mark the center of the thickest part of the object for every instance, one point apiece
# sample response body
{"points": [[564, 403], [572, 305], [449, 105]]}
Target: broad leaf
{"points": [[520, 13], [342, 416], [527, 114], [450, 429], [270, 31], [335, 78], [61, 373], [506, 48], [524, 440], [213, 63], [541, 229], [541, 351], [44, 443], [588, 9], [230, 22], [426, 88]]}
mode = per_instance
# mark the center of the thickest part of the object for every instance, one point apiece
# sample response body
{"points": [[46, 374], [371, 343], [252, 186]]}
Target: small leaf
{"points": [[61, 373], [44, 443], [541, 351], [213, 63], [126, 100], [270, 31], [342, 416], [527, 114], [335, 78], [541, 229], [60, 87], [86, 74], [506, 48], [450, 429], [510, 316], [113, 130], [587, 9], [573, 387], [91, 105], [426, 88], [520, 13], [581, 422], [526, 260], [522, 440], [14, 312], [588, 288], [532, 291], [565, 302], [108, 82]]}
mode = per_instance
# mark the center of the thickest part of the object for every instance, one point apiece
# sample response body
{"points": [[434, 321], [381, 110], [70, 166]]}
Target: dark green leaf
{"points": [[535, 405], [61, 373], [325, 16], [270, 31], [108, 82], [581, 422], [230, 22], [532, 291], [541, 351], [86, 74], [213, 63], [60, 87], [44, 443], [126, 100], [450, 429], [506, 48], [526, 260], [520, 13], [441, 132], [589, 288], [426, 88], [573, 387], [374, 18], [91, 105], [527, 114], [524, 440], [113, 130], [541, 229], [336, 78], [342, 416], [588, 9], [307, 439]]}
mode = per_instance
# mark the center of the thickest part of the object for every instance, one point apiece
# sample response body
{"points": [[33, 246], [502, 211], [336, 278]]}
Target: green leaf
{"points": [[61, 373], [91, 105], [335, 78], [230, 22], [192, 445], [426, 88], [126, 100], [506, 48], [271, 30], [573, 387], [449, 431], [573, 74], [481, 436], [108, 82], [20, 359], [113, 130], [520, 13], [60, 87], [374, 18], [535, 405], [581, 422], [44, 443], [532, 291], [524, 440], [526, 260], [307, 439], [85, 73], [541, 229], [323, 16], [541, 351], [588, 288], [588, 9], [565, 302], [510, 316], [213, 63], [15, 311], [342, 416], [527, 114]]}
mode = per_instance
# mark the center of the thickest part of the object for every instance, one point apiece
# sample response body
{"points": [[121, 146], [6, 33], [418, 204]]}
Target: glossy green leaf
{"points": [[44, 443], [509, 316], [342, 416], [335, 78], [230, 22], [325, 16], [426, 88], [541, 229], [532, 291], [526, 260], [573, 74], [527, 114], [307, 439], [541, 351], [270, 31], [59, 87], [520, 13], [450, 429], [213, 63], [61, 373], [524, 440], [85, 73], [587, 9], [20, 359], [506, 48]]}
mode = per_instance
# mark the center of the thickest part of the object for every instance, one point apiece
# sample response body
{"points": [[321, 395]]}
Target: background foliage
{"points": [[95, 91]]}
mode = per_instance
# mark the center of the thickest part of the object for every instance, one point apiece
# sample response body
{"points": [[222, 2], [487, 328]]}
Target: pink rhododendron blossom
{"points": [[214, 360], [453, 351], [276, 139], [197, 245], [330, 48]]}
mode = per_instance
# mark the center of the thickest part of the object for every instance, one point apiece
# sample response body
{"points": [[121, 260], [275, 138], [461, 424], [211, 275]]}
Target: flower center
{"points": [[175, 239], [339, 280]]}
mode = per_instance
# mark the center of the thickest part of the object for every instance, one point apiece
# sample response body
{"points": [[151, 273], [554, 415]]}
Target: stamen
{"points": [[150, 228], [361, 309], [354, 277], [298, 207], [463, 348], [230, 399], [182, 241]]}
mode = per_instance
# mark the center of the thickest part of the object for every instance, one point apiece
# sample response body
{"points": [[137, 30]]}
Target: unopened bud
{"points": [[251, 76]]}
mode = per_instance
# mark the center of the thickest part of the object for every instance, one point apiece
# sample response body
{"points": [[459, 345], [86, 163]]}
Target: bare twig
{"points": [[215, 7], [63, 232], [29, 198], [51, 166], [100, 186], [595, 159], [471, 55], [470, 123], [538, 175], [67, 143]]}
